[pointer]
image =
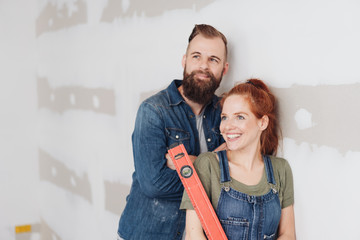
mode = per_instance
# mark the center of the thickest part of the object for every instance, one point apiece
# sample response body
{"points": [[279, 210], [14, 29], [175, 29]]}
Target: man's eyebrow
{"points": [[195, 53]]}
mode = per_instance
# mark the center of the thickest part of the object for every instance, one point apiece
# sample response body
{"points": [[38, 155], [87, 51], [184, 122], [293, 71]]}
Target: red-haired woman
{"points": [[250, 189]]}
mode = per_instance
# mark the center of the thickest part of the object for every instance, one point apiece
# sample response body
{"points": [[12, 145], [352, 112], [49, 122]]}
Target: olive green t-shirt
{"points": [[208, 169]]}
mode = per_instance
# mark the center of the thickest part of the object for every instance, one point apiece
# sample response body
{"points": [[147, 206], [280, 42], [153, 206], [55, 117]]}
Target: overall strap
{"points": [[224, 167], [269, 169]]}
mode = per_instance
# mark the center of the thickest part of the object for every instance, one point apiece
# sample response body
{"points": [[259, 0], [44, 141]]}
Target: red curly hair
{"points": [[262, 102]]}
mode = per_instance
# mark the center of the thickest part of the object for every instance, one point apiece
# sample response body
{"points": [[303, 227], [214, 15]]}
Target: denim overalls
{"points": [[244, 216]]}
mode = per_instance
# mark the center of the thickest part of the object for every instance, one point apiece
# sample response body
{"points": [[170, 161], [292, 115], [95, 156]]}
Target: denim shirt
{"points": [[152, 208]]}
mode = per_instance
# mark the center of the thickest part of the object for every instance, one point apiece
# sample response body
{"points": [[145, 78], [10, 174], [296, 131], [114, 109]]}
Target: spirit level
{"points": [[196, 192]]}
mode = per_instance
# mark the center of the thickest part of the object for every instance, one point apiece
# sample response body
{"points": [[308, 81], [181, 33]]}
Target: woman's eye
{"points": [[223, 118], [240, 117]]}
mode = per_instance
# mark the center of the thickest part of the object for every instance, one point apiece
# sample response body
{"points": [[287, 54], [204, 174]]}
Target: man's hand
{"points": [[221, 147], [192, 158], [170, 164]]}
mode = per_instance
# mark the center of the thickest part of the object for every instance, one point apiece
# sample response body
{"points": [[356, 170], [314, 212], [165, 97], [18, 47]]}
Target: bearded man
{"points": [[185, 112]]}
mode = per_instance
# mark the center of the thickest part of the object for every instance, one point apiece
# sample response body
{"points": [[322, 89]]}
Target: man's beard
{"points": [[199, 90]]}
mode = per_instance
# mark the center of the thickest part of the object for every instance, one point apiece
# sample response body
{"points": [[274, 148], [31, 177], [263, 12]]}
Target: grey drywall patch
{"points": [[23, 236], [55, 172], [334, 112], [47, 232], [52, 18], [115, 196], [60, 99], [117, 8]]}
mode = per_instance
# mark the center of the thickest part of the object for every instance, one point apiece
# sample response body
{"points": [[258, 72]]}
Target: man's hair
{"points": [[208, 32]]}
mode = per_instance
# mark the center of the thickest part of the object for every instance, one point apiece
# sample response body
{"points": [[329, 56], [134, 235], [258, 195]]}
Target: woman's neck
{"points": [[247, 160], [246, 168]]}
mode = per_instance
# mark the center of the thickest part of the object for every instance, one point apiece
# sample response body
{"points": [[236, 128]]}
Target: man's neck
{"points": [[195, 107]]}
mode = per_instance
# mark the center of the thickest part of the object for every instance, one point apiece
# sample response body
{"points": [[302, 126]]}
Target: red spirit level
{"points": [[196, 192]]}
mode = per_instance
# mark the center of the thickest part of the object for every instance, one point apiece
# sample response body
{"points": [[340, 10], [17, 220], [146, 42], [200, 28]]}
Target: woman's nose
{"points": [[229, 124]]}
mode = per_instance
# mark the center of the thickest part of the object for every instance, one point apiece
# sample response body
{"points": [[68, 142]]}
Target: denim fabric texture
{"points": [[152, 208], [246, 217]]}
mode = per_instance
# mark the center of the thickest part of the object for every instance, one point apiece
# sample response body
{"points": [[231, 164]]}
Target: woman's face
{"points": [[239, 126]]}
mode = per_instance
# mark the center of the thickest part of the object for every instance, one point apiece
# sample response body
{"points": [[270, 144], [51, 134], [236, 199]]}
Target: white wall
{"points": [[19, 181], [74, 72]]}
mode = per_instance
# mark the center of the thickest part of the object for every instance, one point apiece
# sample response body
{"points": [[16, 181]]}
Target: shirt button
{"points": [[177, 136], [209, 139], [204, 116]]}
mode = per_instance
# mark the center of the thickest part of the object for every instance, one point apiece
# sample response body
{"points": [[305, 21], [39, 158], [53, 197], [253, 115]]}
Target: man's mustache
{"points": [[208, 74]]}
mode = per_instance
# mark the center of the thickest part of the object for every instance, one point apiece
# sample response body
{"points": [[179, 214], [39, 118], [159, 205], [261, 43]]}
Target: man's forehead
{"points": [[208, 46]]}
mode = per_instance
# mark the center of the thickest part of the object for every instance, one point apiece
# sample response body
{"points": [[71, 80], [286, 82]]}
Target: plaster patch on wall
{"points": [[60, 99], [334, 109], [64, 177], [54, 17], [115, 196], [125, 8], [303, 119]]}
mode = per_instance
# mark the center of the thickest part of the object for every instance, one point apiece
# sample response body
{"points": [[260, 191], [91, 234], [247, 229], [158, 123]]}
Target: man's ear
{"points": [[226, 68], [183, 61], [264, 122]]}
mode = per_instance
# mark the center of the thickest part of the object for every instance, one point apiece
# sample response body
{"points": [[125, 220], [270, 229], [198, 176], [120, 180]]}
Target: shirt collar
{"points": [[173, 93]]}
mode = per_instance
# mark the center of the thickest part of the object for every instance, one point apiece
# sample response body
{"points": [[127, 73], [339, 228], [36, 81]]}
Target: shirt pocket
{"points": [[176, 135]]}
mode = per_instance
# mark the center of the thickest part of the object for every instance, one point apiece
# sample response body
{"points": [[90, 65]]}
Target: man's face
{"points": [[204, 65]]}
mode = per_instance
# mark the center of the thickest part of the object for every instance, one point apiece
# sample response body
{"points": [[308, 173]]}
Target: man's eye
{"points": [[196, 56], [214, 60]]}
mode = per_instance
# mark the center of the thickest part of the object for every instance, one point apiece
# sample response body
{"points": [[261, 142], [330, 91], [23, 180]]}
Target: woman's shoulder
{"points": [[207, 156], [206, 159], [280, 164]]}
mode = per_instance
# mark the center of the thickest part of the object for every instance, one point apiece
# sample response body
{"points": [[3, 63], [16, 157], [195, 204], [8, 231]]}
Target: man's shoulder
{"points": [[163, 97], [159, 97]]}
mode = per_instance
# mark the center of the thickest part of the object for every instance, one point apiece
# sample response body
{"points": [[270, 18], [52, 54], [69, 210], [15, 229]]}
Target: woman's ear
{"points": [[264, 122]]}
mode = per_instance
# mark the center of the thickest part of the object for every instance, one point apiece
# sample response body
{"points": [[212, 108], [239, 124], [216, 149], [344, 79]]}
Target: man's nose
{"points": [[204, 64]]}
